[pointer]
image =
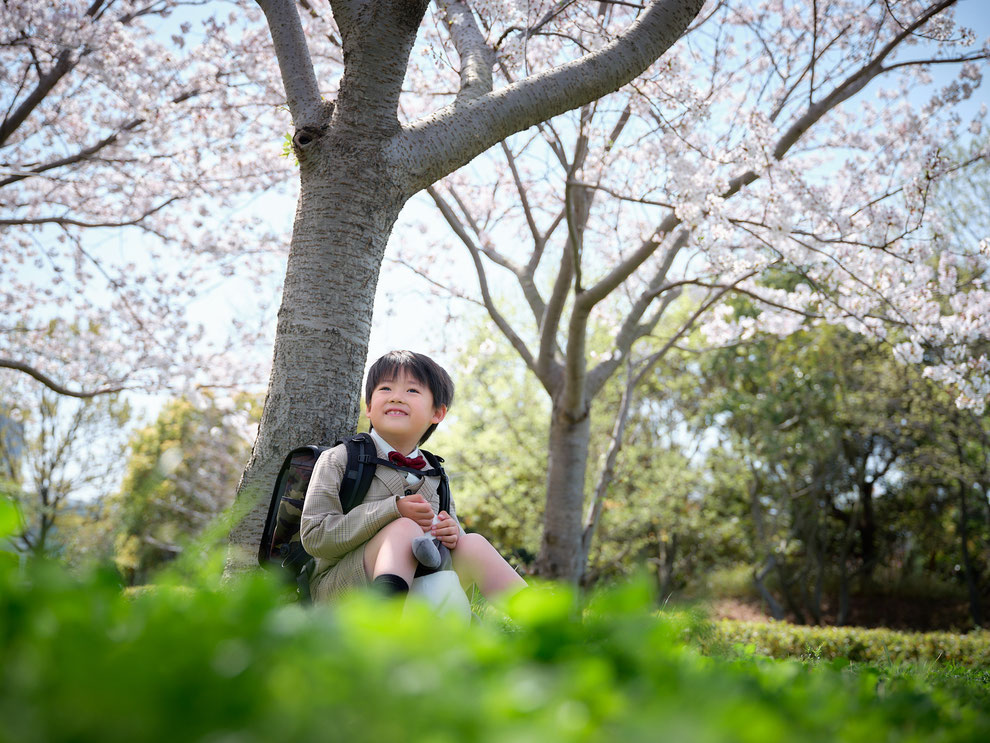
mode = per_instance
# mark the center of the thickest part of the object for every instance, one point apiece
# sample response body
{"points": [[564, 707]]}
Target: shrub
{"points": [[781, 640]]}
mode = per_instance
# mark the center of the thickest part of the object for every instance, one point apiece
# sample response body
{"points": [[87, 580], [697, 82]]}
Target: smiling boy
{"points": [[406, 396]]}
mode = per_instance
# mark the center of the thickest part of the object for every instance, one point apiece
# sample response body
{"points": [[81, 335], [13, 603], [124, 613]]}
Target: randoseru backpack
{"points": [[281, 549]]}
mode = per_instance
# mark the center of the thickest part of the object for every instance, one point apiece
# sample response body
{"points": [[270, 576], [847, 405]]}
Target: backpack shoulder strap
{"points": [[362, 457], [444, 490]]}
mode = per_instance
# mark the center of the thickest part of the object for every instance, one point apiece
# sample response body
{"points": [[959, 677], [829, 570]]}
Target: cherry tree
{"points": [[365, 145], [129, 138], [784, 152]]}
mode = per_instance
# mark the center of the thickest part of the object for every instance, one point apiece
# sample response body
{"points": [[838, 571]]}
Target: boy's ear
{"points": [[439, 414]]}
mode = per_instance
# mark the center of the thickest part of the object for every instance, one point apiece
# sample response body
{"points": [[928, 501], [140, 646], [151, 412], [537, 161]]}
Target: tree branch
{"points": [[298, 76], [608, 283], [476, 56], [594, 511], [625, 337], [55, 386], [854, 83], [551, 317], [497, 318], [538, 239], [88, 152], [843, 92], [428, 149], [523, 275], [69, 222], [63, 64]]}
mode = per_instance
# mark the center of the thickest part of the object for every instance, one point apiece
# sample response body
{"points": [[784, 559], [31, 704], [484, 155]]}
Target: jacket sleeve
{"points": [[325, 530]]}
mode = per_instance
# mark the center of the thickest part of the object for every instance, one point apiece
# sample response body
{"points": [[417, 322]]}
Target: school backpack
{"points": [[281, 549]]}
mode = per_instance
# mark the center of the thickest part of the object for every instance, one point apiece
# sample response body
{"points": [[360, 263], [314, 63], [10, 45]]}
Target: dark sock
{"points": [[388, 584]]}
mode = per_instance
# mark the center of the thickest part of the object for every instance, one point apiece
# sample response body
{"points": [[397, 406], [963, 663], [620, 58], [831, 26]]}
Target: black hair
{"points": [[421, 368]]}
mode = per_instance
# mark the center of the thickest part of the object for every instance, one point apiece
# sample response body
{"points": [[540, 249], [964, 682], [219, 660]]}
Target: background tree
{"points": [[494, 442], [846, 500], [359, 164], [660, 509], [55, 450], [181, 476], [775, 137]]}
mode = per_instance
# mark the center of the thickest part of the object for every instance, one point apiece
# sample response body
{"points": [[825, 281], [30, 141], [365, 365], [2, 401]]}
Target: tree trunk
{"points": [[845, 604], [760, 545], [975, 609], [776, 610], [341, 228], [561, 551], [665, 566], [868, 529]]}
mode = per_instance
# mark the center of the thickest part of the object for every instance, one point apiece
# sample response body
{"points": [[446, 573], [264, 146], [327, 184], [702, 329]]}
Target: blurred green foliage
{"points": [[182, 474], [495, 447], [82, 662], [858, 474]]}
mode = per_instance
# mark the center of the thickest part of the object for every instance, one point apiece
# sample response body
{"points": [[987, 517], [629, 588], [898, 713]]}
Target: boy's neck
{"points": [[401, 447]]}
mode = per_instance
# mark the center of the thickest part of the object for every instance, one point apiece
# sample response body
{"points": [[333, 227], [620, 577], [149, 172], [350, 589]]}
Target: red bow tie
{"points": [[417, 463]]}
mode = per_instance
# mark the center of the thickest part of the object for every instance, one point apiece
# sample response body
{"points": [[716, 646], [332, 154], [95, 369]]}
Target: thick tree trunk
{"points": [[342, 225], [561, 552]]}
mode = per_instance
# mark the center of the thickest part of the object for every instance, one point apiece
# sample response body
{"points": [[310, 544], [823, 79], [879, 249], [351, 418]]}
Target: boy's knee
{"points": [[404, 528], [473, 541]]}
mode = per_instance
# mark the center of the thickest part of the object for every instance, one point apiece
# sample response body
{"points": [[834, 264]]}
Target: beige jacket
{"points": [[337, 539]]}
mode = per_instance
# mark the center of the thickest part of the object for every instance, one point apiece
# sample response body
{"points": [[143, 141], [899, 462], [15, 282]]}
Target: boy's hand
{"points": [[417, 508], [446, 530]]}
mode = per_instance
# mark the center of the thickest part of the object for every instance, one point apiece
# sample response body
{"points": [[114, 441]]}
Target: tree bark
{"points": [[561, 548], [342, 224]]}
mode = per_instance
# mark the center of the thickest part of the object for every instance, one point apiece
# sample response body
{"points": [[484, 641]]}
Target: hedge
{"points": [[857, 644]]}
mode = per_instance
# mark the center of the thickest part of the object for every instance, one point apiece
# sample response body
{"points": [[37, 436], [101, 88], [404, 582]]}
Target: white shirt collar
{"points": [[387, 447]]}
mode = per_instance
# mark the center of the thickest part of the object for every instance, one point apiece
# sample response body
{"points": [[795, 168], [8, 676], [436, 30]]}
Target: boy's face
{"points": [[401, 410]]}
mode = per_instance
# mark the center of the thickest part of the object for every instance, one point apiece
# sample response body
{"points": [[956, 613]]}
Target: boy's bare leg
{"points": [[390, 551], [476, 561]]}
